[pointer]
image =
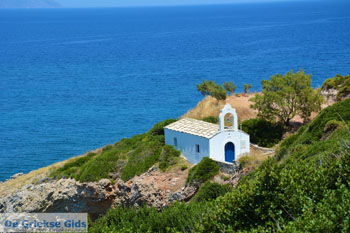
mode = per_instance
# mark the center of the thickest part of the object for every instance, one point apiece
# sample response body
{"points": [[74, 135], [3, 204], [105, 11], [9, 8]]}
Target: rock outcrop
{"points": [[65, 195], [330, 95], [153, 188]]}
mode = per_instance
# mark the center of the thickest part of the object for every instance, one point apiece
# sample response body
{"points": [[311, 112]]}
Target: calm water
{"points": [[72, 80]]}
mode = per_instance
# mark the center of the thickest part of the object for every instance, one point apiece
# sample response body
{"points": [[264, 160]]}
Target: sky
{"points": [[111, 3]]}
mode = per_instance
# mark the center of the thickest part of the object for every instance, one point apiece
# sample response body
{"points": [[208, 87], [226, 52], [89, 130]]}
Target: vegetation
{"points": [[212, 89], [309, 139], [180, 217], [284, 96], [210, 191], [168, 157], [131, 157], [305, 188], [203, 171], [262, 132], [211, 119], [230, 87], [254, 159], [246, 87], [183, 167], [339, 83]]}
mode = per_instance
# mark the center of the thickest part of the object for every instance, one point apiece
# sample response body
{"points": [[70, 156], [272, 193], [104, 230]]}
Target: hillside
{"points": [[147, 186], [135, 171], [210, 106], [28, 4], [304, 188]]}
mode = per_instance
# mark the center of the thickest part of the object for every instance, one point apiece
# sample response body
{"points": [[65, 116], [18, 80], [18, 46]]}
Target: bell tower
{"points": [[228, 119]]}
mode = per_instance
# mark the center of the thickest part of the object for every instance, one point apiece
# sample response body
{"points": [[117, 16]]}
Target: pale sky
{"points": [[109, 3]]}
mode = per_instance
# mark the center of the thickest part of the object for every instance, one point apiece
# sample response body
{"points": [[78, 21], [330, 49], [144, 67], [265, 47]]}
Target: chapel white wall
{"points": [[186, 143], [217, 144]]}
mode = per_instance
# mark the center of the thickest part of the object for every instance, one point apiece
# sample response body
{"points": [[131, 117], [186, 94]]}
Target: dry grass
{"points": [[255, 157], [210, 106], [13, 185]]}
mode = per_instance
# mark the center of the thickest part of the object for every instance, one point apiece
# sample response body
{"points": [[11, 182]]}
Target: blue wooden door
{"points": [[229, 152]]}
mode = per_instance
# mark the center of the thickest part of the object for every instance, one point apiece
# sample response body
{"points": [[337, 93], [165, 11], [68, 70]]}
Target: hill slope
{"points": [[305, 188]]}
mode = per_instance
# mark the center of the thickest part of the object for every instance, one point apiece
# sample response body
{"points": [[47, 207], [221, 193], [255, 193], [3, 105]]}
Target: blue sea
{"points": [[72, 80]]}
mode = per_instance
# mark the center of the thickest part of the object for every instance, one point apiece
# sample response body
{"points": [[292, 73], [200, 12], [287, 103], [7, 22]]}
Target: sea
{"points": [[73, 80]]}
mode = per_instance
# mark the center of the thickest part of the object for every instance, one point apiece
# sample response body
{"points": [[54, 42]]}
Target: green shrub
{"points": [[180, 217], [262, 132], [183, 167], [339, 83], [212, 89], [225, 178], [344, 90], [210, 191], [333, 125], [211, 119], [168, 157], [142, 157], [140, 152], [98, 168], [158, 129], [107, 148], [312, 133], [72, 168], [203, 171], [334, 83]]}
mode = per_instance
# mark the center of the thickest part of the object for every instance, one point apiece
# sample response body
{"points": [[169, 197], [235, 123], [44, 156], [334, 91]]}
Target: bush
{"points": [[263, 132], [339, 83], [211, 119], [183, 167], [140, 152], [230, 87], [98, 168], [203, 171], [246, 87], [334, 83], [312, 133], [158, 129], [212, 89], [168, 157], [210, 191], [180, 217], [71, 168]]}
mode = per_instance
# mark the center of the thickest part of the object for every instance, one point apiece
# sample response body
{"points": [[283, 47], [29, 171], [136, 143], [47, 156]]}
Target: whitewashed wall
{"points": [[240, 139], [186, 143]]}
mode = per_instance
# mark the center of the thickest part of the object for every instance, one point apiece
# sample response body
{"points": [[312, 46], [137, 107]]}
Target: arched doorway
{"points": [[229, 152]]}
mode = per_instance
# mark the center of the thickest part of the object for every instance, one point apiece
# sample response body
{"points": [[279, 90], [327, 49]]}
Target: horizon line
{"points": [[170, 5]]}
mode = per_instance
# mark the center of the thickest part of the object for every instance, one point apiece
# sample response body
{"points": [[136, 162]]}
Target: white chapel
{"points": [[197, 139]]}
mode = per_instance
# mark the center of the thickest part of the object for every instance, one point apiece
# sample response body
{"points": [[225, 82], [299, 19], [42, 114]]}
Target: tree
{"points": [[284, 96], [212, 89], [230, 87], [246, 87]]}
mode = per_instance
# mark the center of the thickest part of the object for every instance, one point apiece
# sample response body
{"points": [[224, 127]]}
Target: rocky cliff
{"points": [[152, 188]]}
